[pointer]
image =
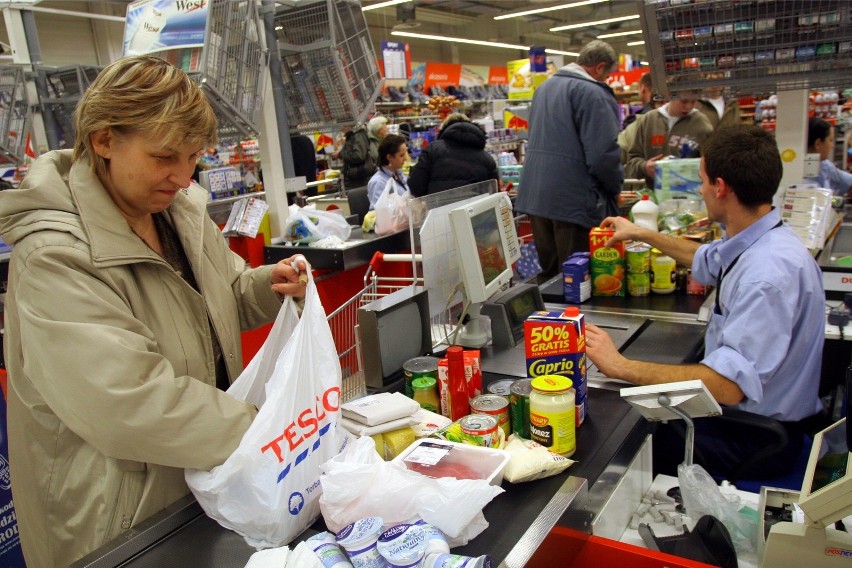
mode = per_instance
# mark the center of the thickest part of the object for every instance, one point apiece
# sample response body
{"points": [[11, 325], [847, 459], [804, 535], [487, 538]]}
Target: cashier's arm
{"points": [[682, 250], [603, 353]]}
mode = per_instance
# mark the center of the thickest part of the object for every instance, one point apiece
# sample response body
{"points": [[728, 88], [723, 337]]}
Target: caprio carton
{"points": [[555, 344]]}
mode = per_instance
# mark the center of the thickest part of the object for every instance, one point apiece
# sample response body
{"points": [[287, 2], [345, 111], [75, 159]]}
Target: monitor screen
{"points": [[827, 488], [486, 245]]}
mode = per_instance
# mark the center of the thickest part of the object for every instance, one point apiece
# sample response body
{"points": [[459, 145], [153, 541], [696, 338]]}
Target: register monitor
{"points": [[826, 498], [486, 246]]}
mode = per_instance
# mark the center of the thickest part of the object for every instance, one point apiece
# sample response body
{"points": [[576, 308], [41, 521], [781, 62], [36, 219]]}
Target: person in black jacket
{"points": [[456, 158]]}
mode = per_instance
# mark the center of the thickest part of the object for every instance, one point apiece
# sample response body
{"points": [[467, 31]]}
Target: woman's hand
{"points": [[288, 281]]}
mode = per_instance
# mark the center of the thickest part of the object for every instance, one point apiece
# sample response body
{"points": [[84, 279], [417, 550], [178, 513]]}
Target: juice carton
{"points": [[576, 283], [555, 344], [607, 263]]}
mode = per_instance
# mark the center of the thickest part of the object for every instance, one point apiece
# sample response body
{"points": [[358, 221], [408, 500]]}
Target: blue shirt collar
{"points": [[733, 247]]}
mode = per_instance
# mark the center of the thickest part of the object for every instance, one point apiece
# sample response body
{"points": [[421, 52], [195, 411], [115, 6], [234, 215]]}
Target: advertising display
{"points": [[523, 82], [396, 60], [10, 543], [157, 25]]}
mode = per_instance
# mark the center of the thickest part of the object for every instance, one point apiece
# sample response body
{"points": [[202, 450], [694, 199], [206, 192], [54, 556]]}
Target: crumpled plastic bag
{"points": [[701, 496], [357, 483], [308, 225]]}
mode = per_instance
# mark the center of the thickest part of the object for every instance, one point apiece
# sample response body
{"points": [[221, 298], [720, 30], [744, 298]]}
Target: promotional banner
{"points": [[396, 60], [523, 82], [441, 75], [157, 25], [623, 80], [497, 76], [468, 75]]}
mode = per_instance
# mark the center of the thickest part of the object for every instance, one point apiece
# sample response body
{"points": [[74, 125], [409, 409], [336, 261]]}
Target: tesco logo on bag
{"points": [[310, 422]]}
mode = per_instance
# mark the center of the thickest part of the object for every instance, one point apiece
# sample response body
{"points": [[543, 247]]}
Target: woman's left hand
{"points": [[286, 280]]}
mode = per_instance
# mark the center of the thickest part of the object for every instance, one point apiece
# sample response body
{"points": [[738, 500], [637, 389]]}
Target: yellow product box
{"points": [[607, 266]]}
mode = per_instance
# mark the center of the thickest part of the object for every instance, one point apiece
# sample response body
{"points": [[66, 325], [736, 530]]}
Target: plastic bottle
{"points": [[459, 402], [645, 213]]}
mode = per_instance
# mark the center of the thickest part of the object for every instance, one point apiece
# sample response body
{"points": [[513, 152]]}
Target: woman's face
{"points": [[826, 145], [395, 161], [142, 174]]}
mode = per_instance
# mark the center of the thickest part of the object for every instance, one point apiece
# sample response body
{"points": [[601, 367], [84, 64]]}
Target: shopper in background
{"points": [[304, 162], [650, 101], [676, 129], [572, 171], [358, 164], [719, 110], [393, 151], [123, 316], [821, 141], [456, 158], [377, 129], [765, 279]]}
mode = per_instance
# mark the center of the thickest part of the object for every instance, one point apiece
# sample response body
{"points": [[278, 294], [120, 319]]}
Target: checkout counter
{"points": [[609, 443]]}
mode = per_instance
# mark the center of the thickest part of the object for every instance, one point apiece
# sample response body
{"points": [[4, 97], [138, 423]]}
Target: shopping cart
{"points": [[344, 320]]}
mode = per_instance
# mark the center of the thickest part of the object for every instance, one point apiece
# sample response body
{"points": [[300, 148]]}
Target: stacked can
{"points": [[638, 269]]}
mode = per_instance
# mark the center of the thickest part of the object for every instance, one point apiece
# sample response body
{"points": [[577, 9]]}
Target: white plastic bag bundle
{"points": [[391, 210], [358, 484], [309, 225], [268, 489]]}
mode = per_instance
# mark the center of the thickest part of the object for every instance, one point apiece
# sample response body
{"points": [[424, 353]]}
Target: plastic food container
{"points": [[441, 458], [359, 539], [403, 546]]}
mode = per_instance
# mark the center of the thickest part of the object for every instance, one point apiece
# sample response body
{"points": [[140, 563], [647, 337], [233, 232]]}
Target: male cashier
{"points": [[763, 346]]}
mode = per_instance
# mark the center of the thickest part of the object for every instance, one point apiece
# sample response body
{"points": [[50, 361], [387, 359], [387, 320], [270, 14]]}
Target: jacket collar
{"points": [[578, 72], [111, 240]]}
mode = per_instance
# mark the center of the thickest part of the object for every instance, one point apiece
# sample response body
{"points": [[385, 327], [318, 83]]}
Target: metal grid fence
{"points": [[748, 47], [328, 67], [13, 114], [233, 61]]}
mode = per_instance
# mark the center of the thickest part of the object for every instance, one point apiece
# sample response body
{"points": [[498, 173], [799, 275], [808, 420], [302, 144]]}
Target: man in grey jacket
{"points": [[572, 172]]}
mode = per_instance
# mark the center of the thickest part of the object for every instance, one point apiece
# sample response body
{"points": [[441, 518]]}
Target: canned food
{"points": [[520, 407], [638, 258], [500, 387], [480, 430], [426, 393], [493, 405], [638, 284], [416, 368]]}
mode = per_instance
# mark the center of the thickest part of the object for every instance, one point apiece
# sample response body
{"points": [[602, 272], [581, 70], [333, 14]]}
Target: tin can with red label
{"points": [[493, 405], [480, 430]]}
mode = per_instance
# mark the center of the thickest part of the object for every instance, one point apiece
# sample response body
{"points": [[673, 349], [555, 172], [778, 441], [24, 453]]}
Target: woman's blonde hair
{"points": [[143, 94]]}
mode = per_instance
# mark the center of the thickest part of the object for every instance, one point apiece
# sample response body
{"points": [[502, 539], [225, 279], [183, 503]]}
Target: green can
{"points": [[639, 284], [638, 256], [416, 368], [519, 407]]}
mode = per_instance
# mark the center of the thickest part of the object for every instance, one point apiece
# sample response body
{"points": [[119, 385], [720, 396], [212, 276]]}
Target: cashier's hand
{"points": [[651, 164], [624, 230], [603, 352], [285, 278]]}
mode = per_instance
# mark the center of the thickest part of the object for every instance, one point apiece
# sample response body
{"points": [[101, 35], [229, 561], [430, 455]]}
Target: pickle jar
{"points": [[425, 393]]}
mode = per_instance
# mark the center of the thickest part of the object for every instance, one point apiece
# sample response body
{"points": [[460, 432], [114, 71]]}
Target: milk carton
{"points": [[555, 344]]}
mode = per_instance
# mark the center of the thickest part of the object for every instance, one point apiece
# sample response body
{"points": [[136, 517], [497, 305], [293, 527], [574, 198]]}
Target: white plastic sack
{"points": [[309, 225], [391, 210], [268, 489], [358, 484]]}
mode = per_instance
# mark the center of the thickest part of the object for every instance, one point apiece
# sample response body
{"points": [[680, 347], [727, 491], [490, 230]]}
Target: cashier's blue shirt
{"points": [[769, 336]]}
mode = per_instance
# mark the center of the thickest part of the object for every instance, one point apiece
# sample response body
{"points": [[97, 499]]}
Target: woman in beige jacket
{"points": [[123, 315]]}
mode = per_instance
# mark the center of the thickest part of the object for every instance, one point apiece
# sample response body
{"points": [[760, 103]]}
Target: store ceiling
{"points": [[474, 19]]}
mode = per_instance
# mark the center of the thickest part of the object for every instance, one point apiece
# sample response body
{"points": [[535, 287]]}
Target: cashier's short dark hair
{"points": [[747, 158], [390, 144]]}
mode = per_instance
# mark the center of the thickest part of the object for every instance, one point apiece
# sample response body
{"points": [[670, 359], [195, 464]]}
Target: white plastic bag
{"points": [[268, 489], [309, 225], [391, 210], [358, 484]]}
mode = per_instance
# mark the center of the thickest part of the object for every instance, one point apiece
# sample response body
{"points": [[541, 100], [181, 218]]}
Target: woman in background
{"points": [[393, 151], [456, 158], [821, 141]]}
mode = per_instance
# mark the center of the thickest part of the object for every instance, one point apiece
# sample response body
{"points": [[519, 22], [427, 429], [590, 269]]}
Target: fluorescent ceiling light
{"points": [[383, 4], [619, 34], [634, 43], [549, 9], [595, 23], [478, 42]]}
